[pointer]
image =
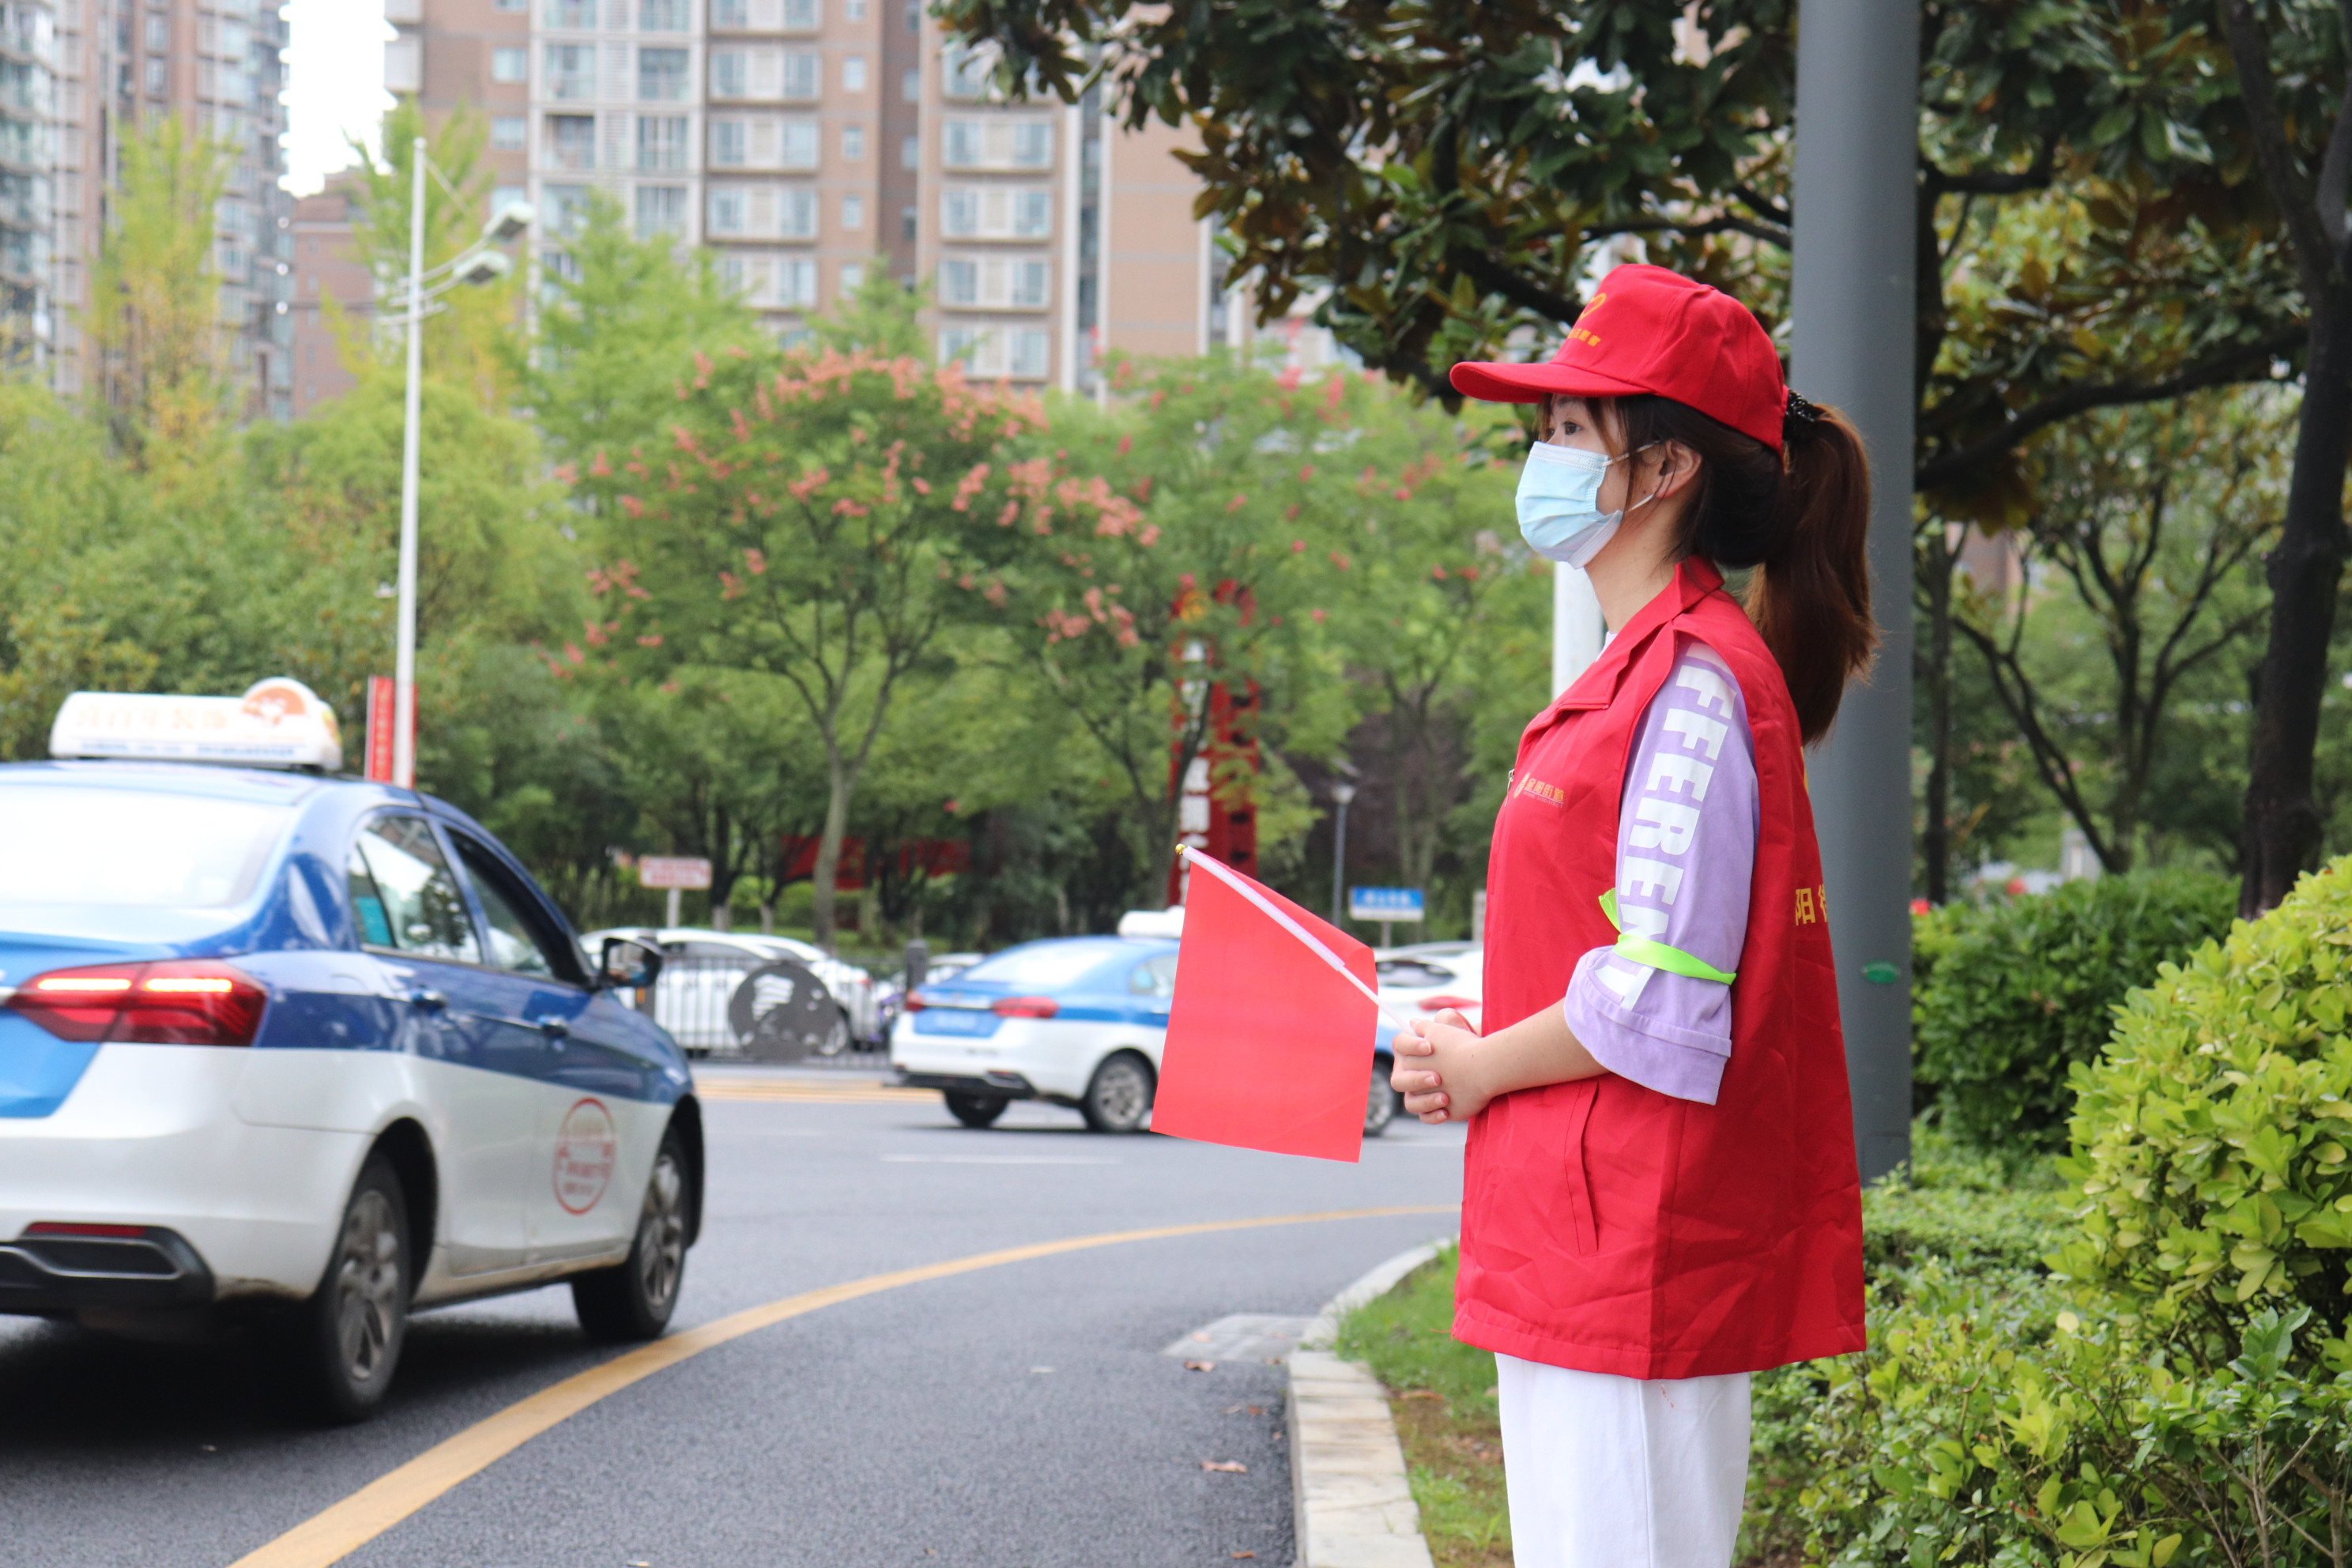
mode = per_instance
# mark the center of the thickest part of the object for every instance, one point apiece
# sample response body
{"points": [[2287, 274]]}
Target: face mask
{"points": [[1560, 492]]}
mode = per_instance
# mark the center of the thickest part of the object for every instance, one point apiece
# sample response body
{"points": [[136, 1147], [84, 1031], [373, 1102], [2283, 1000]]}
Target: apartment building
{"points": [[28, 58], [803, 143], [327, 268], [118, 64]]}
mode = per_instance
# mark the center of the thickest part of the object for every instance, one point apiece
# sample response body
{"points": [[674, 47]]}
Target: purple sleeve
{"points": [[1685, 856]]}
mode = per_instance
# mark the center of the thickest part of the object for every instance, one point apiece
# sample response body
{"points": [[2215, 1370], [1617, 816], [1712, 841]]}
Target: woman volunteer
{"points": [[1661, 1195]]}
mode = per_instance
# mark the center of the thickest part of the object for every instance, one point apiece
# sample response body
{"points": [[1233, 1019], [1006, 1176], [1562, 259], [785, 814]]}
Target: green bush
{"points": [[2008, 996], [2210, 1140]]}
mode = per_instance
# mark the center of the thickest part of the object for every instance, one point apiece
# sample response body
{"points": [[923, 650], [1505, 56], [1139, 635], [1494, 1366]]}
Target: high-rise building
{"points": [[326, 268], [806, 141], [29, 55], [218, 65]]}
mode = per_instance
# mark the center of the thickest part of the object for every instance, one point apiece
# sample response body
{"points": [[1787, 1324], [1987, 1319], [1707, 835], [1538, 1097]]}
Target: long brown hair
{"points": [[1804, 526]]}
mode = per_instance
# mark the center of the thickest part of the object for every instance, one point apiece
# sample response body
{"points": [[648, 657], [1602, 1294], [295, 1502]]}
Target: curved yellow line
{"points": [[335, 1533]]}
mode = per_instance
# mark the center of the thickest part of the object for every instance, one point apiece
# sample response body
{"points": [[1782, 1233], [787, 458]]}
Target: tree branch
{"points": [[1763, 205], [2250, 52], [1496, 278], [1718, 224], [2241, 363]]}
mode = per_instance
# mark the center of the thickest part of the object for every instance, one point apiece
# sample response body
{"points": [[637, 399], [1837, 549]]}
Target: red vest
{"points": [[1606, 1227]]}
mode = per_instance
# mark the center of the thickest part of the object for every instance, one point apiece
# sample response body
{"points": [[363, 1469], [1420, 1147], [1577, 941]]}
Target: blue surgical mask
{"points": [[1560, 496]]}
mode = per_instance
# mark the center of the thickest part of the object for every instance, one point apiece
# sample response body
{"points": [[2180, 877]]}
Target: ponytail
{"points": [[1805, 526]]}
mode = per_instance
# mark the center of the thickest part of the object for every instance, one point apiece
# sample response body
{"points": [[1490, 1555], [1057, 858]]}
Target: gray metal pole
{"points": [[1343, 794], [404, 664], [1852, 304]]}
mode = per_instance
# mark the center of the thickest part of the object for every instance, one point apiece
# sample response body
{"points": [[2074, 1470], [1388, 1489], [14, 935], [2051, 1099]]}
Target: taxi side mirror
{"points": [[628, 964]]}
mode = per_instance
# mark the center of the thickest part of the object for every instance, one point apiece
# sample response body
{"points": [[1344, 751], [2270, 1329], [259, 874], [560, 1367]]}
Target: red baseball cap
{"points": [[1649, 330]]}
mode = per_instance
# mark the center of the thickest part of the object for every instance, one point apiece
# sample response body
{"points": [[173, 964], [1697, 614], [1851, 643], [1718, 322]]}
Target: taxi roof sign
{"points": [[277, 724]]}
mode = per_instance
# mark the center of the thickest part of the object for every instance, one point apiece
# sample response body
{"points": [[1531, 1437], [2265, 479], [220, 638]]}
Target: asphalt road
{"points": [[1018, 1416]]}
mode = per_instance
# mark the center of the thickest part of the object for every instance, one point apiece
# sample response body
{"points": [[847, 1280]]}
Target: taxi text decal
{"points": [[585, 1151]]}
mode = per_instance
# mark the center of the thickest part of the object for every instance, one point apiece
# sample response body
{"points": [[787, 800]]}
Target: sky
{"points": [[334, 86]]}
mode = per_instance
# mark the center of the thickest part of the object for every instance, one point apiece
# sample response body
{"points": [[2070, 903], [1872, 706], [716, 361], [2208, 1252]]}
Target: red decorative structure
{"points": [[1216, 810], [932, 857]]}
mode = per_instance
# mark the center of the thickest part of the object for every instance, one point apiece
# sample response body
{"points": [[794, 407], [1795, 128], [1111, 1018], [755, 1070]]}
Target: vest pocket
{"points": [[1584, 1225]]}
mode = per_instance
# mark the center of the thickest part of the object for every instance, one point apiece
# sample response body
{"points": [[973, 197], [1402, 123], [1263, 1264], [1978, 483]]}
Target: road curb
{"points": [[1351, 1506]]}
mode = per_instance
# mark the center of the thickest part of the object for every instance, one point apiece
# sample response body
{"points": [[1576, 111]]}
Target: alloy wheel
{"points": [[661, 1232], [368, 1286]]}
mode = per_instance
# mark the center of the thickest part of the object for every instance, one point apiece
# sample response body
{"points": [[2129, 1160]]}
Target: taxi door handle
{"points": [[555, 1029], [431, 1001]]}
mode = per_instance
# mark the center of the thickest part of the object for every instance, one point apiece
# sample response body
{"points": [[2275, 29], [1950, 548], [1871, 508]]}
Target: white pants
{"points": [[1613, 1472]]}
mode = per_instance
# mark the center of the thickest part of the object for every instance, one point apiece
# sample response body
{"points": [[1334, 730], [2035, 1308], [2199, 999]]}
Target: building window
{"points": [[853, 273], [853, 143], [965, 71], [661, 15], [996, 144], [571, 13], [913, 15], [801, 16], [729, 15], [512, 6], [571, 141], [853, 212], [853, 74], [661, 142], [724, 212], [1014, 283], [661, 209], [803, 75], [158, 34], [910, 152], [769, 282], [1033, 145], [727, 74], [567, 207], [727, 144], [796, 144], [911, 85], [507, 133], [505, 196], [996, 212], [853, 10], [155, 75], [960, 144], [959, 281], [661, 76], [907, 218], [571, 69]]}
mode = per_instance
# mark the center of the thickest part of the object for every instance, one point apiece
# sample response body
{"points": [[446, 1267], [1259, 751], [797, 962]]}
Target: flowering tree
{"points": [[823, 519]]}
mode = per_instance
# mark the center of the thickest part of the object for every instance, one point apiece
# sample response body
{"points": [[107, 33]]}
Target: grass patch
{"points": [[1442, 1394]]}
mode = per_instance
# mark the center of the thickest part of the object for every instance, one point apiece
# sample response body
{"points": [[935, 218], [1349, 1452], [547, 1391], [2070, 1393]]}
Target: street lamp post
{"points": [[1342, 792], [476, 264], [404, 664]]}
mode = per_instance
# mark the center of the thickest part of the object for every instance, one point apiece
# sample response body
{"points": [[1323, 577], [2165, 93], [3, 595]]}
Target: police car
{"points": [[279, 1044]]}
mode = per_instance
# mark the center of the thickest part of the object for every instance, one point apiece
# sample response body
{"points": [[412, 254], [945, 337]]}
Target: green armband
{"points": [[1657, 954]]}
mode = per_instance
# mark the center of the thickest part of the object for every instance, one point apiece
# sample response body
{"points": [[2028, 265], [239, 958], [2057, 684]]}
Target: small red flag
{"points": [[1269, 1044]]}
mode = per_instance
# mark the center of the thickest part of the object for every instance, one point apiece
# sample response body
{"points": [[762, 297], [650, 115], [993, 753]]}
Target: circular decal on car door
{"points": [[586, 1149]]}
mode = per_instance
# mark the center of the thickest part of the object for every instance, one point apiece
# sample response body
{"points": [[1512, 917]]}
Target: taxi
{"points": [[279, 1044]]}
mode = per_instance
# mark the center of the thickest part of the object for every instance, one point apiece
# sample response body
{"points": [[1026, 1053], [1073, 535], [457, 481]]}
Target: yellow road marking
{"points": [[334, 1534]]}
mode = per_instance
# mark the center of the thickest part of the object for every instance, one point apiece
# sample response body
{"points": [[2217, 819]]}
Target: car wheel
{"points": [[634, 1299], [975, 1110], [1119, 1097], [836, 1039], [1381, 1106], [354, 1324]]}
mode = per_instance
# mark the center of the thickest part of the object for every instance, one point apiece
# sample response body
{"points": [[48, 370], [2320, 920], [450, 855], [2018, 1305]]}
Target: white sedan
{"points": [[691, 1001]]}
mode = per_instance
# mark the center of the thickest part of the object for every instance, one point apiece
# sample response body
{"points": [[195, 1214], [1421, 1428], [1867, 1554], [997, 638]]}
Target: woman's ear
{"points": [[1677, 467]]}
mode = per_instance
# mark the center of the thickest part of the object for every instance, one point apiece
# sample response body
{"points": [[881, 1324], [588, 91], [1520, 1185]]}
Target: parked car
{"points": [[282, 1045], [1074, 1021], [692, 1003], [1426, 979], [890, 993]]}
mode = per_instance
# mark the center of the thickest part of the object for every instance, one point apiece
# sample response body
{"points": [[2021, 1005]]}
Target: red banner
{"points": [[931, 856], [379, 728]]}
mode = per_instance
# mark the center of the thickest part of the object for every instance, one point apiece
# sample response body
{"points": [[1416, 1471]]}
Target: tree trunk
{"points": [[1936, 836], [2283, 826], [839, 782]]}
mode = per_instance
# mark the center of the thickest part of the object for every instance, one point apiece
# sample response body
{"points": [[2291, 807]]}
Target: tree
{"points": [[616, 331], [2151, 518], [820, 518], [1437, 173], [154, 319], [2298, 131]]}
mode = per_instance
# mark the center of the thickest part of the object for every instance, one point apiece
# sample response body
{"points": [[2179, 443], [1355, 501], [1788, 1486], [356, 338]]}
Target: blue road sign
{"points": [[1384, 903]]}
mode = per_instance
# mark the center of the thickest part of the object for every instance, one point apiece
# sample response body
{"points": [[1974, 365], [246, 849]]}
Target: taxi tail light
{"points": [[175, 1002], [1439, 1004], [1026, 1008], [914, 1003]]}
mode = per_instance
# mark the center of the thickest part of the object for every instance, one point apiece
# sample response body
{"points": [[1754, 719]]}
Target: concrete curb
{"points": [[1351, 1506]]}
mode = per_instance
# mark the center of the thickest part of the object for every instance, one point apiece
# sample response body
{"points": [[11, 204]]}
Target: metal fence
{"points": [[695, 998]]}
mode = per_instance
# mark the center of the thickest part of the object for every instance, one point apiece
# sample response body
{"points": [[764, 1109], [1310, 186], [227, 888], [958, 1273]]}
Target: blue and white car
{"points": [[1075, 1021], [279, 1044]]}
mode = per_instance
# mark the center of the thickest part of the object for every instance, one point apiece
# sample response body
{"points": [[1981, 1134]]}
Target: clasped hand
{"points": [[1436, 1070]]}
